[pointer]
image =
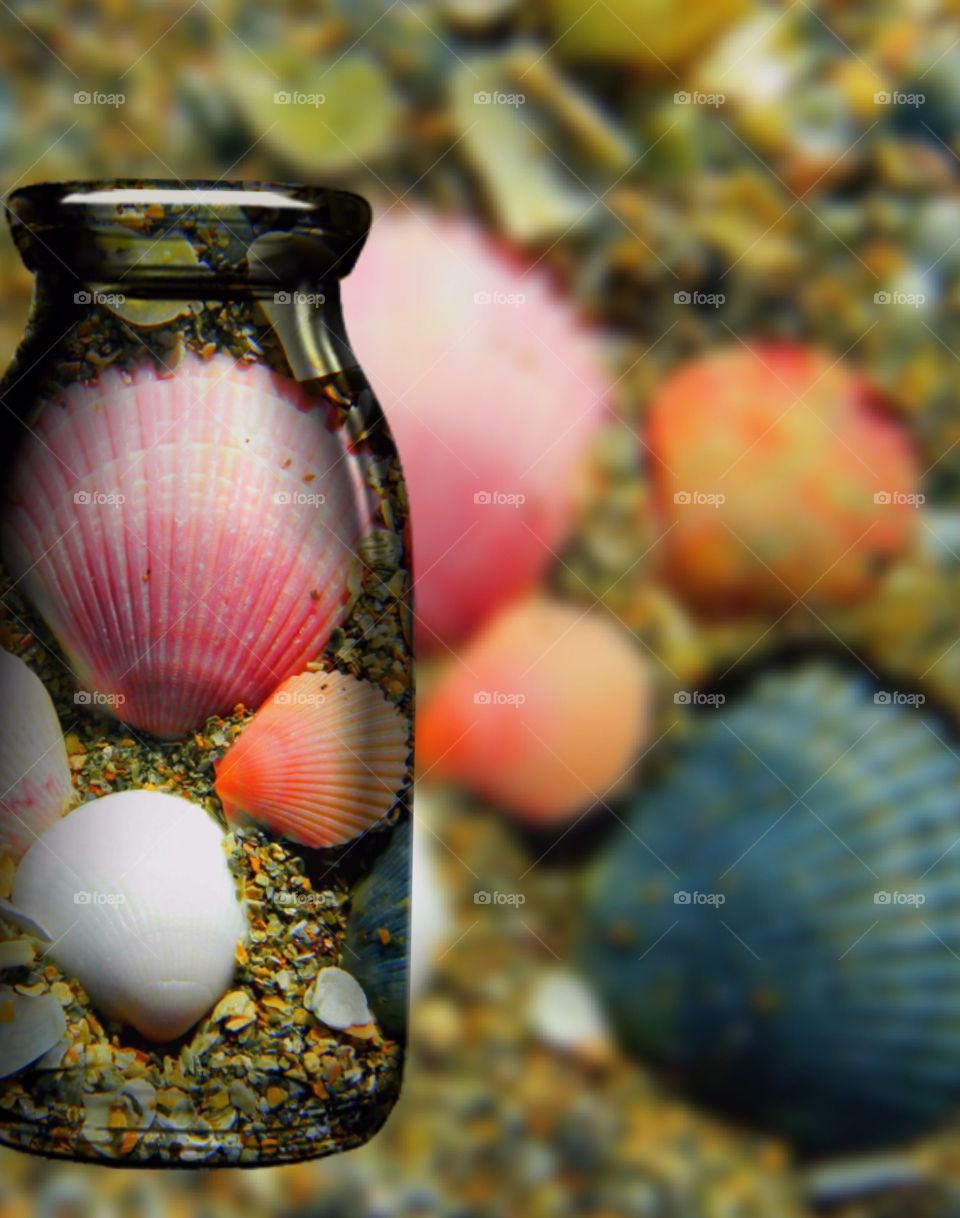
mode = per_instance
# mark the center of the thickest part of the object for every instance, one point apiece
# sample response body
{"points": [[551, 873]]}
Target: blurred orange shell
{"points": [[543, 714], [321, 762], [777, 477]]}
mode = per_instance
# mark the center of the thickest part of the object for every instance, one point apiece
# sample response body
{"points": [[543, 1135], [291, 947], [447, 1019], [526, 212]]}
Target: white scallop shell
{"points": [[138, 896], [35, 785]]}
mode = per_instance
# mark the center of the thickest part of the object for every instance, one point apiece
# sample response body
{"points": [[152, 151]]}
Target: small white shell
{"points": [[337, 1000], [35, 785], [565, 1013], [29, 1027], [137, 894]]}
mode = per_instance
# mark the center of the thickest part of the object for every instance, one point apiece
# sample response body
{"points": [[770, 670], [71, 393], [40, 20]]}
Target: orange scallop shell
{"points": [[321, 762]]}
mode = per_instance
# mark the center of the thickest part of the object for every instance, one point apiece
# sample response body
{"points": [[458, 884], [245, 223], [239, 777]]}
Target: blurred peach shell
{"points": [[543, 714]]}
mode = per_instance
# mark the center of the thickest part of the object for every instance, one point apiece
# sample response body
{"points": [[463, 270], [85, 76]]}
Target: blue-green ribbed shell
{"points": [[378, 933], [806, 1001]]}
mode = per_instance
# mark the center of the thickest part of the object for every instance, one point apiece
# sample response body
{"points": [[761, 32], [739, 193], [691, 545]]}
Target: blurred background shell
{"points": [[305, 108], [652, 34], [544, 714], [492, 437], [778, 922], [778, 476]]}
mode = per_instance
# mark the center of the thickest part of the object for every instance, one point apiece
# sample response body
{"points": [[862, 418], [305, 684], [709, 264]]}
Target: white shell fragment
{"points": [[564, 1013], [337, 1000], [137, 893], [29, 1027], [135, 1101], [35, 784]]}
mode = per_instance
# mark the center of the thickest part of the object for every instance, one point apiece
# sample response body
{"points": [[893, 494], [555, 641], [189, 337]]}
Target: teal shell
{"points": [[378, 933], [821, 998]]}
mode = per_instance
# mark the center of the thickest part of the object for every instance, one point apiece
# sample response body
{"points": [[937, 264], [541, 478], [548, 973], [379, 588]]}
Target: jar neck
{"points": [[304, 316]]}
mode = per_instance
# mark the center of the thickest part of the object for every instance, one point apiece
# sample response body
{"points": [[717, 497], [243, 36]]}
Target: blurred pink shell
{"points": [[35, 784], [543, 714], [320, 763], [492, 389], [187, 538]]}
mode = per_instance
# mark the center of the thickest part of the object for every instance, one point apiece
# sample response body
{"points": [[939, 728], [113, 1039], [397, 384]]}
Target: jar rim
{"points": [[329, 225], [196, 197]]}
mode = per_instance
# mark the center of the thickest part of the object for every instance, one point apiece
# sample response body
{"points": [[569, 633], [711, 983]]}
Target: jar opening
{"points": [[211, 198], [187, 238]]}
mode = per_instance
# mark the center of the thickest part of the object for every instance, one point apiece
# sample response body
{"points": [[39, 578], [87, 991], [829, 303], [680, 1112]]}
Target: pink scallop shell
{"points": [[170, 531], [320, 763]]}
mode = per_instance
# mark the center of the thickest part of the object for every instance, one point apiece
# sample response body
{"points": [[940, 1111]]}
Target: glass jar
{"points": [[205, 685]]}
